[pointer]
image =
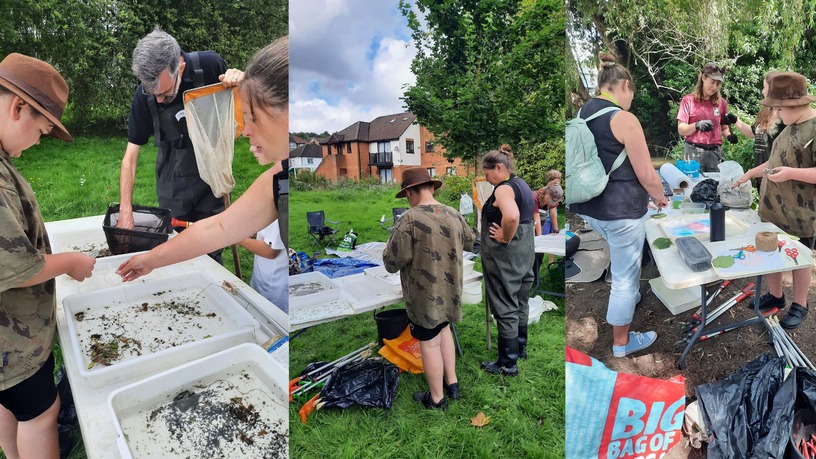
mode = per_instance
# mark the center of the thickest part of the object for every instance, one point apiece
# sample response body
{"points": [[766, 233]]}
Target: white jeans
{"points": [[625, 239]]}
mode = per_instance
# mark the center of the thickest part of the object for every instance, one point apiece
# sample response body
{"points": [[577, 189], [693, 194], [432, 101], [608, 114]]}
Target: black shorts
{"points": [[426, 334], [33, 396]]}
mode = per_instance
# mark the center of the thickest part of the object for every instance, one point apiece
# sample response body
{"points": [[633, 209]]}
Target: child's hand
{"points": [[134, 268], [83, 266], [782, 174]]}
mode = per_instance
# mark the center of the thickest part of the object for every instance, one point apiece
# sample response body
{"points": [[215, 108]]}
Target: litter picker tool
{"points": [[721, 309], [716, 293], [331, 366], [790, 349], [679, 345]]}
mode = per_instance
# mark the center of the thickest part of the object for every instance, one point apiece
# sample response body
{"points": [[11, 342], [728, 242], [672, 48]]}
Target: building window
{"points": [[409, 147], [328, 150], [348, 148], [432, 171], [450, 171], [311, 161], [292, 145], [384, 147], [429, 147], [343, 172]]}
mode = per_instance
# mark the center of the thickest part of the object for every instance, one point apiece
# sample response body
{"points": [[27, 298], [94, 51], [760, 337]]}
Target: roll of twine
{"points": [[766, 241]]}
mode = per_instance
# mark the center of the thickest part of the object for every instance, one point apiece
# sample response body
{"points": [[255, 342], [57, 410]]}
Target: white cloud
{"points": [[349, 60]]}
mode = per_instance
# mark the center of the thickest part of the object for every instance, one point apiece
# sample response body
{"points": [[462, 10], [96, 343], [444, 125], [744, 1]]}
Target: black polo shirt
{"points": [[140, 123]]}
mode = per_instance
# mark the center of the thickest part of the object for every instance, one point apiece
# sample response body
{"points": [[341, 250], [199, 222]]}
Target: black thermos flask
{"points": [[717, 222]]}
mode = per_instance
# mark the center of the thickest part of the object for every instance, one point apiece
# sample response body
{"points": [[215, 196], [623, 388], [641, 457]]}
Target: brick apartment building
{"points": [[384, 147]]}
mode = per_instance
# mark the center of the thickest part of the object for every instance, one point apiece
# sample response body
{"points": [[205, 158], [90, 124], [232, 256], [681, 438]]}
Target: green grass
{"points": [[80, 179], [527, 412]]}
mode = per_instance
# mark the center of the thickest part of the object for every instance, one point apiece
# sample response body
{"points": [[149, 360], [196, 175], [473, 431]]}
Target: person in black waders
{"points": [[165, 72]]}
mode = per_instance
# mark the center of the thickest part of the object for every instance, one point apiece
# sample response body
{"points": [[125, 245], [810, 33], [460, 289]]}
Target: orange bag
{"points": [[403, 351]]}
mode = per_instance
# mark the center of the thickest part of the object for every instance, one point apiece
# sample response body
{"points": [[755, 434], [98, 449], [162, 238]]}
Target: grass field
{"points": [[80, 179], [526, 413]]}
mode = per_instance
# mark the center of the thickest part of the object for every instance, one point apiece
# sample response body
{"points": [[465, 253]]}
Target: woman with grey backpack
{"points": [[619, 212]]}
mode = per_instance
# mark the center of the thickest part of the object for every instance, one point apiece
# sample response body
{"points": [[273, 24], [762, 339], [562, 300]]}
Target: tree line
{"points": [[666, 42], [90, 42]]}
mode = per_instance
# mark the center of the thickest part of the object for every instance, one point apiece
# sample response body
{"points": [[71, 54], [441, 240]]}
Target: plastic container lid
{"points": [[693, 207]]}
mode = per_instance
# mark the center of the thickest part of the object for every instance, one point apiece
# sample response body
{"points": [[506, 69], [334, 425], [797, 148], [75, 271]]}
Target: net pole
{"points": [[234, 247]]}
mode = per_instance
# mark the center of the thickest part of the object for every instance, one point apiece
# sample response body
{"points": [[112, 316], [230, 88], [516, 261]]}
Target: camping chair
{"points": [[396, 213], [321, 233]]}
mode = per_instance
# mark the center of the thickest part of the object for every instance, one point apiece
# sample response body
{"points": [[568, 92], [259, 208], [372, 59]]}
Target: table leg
{"points": [[699, 331], [758, 290]]}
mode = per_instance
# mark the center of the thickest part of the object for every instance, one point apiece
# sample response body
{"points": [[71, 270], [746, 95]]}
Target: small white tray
{"points": [[307, 284], [205, 408], [84, 241], [699, 226], [392, 279], [319, 306], [147, 332]]}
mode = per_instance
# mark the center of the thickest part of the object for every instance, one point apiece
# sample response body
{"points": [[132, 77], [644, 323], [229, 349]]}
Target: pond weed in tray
{"points": [[231, 404], [122, 331]]}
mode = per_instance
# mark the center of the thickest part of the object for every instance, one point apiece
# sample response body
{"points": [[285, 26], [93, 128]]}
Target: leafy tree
{"points": [[665, 42], [91, 43], [488, 72]]}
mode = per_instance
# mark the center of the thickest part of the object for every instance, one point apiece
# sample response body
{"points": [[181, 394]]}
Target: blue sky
{"points": [[349, 60]]}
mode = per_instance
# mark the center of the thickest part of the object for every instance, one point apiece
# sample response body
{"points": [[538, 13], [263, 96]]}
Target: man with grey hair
{"points": [[165, 72]]}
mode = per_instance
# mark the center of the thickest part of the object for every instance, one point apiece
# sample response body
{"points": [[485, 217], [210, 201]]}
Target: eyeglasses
{"points": [[170, 94], [714, 68]]}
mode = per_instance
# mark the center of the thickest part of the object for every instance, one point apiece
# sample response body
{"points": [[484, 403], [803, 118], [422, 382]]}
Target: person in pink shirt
{"points": [[703, 120]]}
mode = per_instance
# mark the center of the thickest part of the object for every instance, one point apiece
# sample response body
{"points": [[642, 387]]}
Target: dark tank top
{"points": [[624, 196], [523, 197]]}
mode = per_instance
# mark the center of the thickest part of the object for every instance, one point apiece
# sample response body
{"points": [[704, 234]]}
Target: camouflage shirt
{"points": [[27, 314], [790, 204], [426, 247]]}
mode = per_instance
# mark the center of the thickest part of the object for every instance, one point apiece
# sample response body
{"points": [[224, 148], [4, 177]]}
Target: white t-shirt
{"points": [[270, 276]]}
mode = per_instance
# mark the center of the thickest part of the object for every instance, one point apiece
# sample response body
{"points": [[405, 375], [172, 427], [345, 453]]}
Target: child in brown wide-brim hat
{"points": [[32, 99], [787, 195]]}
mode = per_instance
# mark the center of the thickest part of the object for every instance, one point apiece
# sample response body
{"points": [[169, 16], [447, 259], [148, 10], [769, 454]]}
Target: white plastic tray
{"points": [[320, 306], [104, 274], [190, 411], [392, 279], [151, 333], [85, 241], [307, 284]]}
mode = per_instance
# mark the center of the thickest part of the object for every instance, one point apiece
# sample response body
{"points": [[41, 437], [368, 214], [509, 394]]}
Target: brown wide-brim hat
{"points": [[38, 84], [416, 176], [787, 89]]}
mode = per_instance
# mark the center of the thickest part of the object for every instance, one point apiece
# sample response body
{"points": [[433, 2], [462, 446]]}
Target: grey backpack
{"points": [[585, 173]]}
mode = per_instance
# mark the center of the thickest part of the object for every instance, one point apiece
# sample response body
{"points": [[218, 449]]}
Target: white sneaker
{"points": [[637, 342]]}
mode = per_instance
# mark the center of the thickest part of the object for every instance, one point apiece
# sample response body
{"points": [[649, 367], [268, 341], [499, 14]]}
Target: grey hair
{"points": [[156, 52]]}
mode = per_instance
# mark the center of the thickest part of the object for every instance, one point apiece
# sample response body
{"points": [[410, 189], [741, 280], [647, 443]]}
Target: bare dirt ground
{"points": [[711, 360]]}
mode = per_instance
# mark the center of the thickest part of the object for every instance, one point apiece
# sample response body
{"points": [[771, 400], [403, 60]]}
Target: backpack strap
{"points": [[198, 74], [599, 113], [618, 161], [622, 156]]}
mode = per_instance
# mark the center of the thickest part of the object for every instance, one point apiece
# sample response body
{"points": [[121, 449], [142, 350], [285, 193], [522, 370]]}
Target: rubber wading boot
{"points": [[508, 355], [522, 342]]}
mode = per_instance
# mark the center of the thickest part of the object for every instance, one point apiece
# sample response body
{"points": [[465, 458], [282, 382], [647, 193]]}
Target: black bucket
{"points": [[390, 323]]}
